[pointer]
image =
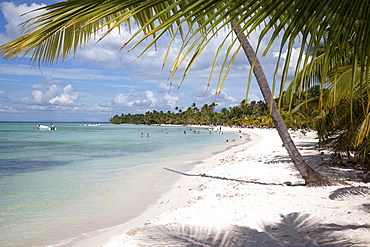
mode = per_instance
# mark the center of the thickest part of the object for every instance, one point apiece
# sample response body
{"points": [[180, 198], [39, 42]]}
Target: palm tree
{"points": [[310, 176], [346, 131], [67, 25]]}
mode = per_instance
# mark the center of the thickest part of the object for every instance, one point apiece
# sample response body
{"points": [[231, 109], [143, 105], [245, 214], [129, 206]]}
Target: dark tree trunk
{"points": [[310, 176]]}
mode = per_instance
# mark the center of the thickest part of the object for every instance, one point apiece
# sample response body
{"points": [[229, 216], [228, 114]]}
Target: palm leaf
{"points": [[342, 26]]}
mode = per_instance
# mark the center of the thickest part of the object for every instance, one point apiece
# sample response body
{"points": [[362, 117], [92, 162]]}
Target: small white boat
{"points": [[92, 124], [45, 127]]}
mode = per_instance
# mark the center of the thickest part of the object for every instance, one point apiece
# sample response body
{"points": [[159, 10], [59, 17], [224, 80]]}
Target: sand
{"points": [[251, 195]]}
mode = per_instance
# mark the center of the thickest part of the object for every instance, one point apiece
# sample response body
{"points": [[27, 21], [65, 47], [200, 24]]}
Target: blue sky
{"points": [[101, 81]]}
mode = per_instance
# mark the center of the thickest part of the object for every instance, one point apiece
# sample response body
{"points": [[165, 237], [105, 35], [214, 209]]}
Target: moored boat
{"points": [[92, 124], [46, 127]]}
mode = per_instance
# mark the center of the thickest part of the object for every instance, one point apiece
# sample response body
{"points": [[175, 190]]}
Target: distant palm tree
{"points": [[67, 25]]}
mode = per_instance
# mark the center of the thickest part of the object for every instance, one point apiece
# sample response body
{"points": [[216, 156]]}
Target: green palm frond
{"points": [[363, 131], [66, 26]]}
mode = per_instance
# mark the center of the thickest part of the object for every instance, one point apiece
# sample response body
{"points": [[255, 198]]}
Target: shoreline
{"points": [[239, 198], [166, 184]]}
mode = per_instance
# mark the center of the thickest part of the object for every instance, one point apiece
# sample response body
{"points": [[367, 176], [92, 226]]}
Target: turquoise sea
{"points": [[56, 185]]}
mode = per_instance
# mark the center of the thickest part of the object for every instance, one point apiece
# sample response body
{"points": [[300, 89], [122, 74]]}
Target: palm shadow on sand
{"points": [[294, 229], [218, 177], [320, 161]]}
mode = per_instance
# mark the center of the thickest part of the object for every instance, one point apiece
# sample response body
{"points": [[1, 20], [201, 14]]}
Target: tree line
{"points": [[250, 114], [298, 110]]}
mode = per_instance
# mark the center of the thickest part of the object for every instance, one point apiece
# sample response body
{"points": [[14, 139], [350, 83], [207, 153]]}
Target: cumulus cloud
{"points": [[13, 15], [48, 93], [66, 98], [171, 100], [144, 101], [124, 99], [37, 96], [105, 54]]}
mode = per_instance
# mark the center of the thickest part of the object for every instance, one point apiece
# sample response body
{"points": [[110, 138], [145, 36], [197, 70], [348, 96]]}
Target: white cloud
{"points": [[44, 95], [7, 109], [144, 102], [66, 98], [52, 92], [100, 108], [36, 107], [150, 97], [13, 15], [171, 100], [50, 81], [37, 96], [124, 99], [204, 95]]}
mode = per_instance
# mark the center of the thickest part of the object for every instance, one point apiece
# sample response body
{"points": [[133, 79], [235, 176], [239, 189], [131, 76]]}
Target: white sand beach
{"points": [[240, 198]]}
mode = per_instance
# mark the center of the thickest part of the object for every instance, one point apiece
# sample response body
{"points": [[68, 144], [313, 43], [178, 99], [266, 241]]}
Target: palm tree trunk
{"points": [[310, 176]]}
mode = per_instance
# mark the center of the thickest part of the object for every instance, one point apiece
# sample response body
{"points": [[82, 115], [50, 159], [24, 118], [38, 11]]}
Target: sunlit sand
{"points": [[251, 195]]}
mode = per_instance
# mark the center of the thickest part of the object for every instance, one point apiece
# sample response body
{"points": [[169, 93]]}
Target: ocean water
{"points": [[56, 185]]}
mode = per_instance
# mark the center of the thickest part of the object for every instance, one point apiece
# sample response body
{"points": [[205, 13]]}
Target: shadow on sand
{"points": [[320, 161], [294, 229], [218, 177]]}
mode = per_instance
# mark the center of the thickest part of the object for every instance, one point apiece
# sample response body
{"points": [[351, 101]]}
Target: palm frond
{"points": [[342, 25]]}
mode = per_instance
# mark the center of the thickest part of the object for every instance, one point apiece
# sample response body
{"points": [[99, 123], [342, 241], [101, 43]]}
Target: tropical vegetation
{"points": [[340, 28], [342, 107], [253, 114]]}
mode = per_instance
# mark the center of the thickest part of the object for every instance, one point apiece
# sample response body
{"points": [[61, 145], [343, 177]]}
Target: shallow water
{"points": [[55, 185]]}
